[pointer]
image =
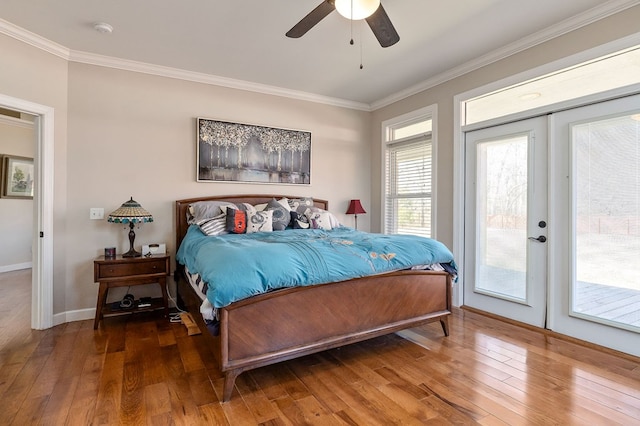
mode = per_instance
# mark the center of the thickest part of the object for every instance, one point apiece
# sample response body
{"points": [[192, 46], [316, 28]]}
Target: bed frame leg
{"points": [[444, 322], [229, 382]]}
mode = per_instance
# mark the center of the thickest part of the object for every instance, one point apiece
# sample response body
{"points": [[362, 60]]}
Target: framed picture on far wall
{"points": [[17, 177], [237, 152]]}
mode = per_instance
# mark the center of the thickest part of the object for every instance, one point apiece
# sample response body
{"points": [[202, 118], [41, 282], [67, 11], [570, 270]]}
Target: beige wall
{"points": [[134, 135], [16, 215], [30, 74], [598, 33]]}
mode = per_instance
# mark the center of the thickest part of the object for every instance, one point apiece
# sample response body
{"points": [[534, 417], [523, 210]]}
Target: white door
{"points": [[595, 234], [505, 220]]}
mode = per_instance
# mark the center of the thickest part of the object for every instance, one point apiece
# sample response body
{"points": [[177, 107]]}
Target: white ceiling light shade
{"points": [[361, 8]]}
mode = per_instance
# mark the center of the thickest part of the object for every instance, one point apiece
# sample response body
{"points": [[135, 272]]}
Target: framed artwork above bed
{"points": [[237, 152]]}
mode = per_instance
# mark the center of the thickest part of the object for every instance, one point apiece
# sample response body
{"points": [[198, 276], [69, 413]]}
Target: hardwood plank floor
{"points": [[141, 369]]}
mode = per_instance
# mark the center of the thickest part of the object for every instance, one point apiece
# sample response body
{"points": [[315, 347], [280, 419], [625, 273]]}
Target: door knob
{"points": [[541, 238]]}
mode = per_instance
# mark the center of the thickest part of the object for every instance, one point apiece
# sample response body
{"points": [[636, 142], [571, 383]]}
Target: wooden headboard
{"points": [[182, 205]]}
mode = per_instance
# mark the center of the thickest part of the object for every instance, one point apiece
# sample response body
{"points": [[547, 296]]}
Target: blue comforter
{"points": [[237, 266]]}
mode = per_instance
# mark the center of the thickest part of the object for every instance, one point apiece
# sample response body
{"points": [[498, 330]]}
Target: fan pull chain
{"points": [[351, 23], [361, 44]]}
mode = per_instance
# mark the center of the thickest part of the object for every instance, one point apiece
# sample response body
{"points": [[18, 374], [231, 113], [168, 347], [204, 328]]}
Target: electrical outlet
{"points": [[96, 213]]}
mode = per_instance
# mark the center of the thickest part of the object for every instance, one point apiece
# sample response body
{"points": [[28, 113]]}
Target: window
{"points": [[605, 73], [408, 198]]}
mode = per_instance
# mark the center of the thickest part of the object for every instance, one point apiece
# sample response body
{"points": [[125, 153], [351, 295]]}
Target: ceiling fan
{"points": [[371, 10]]}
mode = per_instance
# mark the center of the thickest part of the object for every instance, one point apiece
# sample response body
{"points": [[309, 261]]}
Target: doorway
{"points": [[505, 220], [42, 269], [17, 149], [597, 224], [552, 224]]}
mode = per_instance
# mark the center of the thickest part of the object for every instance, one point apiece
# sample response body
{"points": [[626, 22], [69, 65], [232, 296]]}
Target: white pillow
{"points": [[259, 221], [333, 221], [285, 203], [260, 207], [319, 219]]}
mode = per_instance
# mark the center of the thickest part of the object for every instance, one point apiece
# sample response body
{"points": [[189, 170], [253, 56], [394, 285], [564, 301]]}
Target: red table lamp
{"points": [[355, 208]]}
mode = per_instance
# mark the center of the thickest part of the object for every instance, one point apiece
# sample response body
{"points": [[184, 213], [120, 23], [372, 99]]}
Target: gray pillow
{"points": [[300, 204], [281, 216], [201, 210]]}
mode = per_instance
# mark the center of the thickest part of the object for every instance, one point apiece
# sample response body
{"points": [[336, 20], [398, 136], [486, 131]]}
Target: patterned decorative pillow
{"points": [[333, 221], [299, 221], [214, 226], [320, 220], [260, 222], [300, 204], [236, 221], [281, 216]]}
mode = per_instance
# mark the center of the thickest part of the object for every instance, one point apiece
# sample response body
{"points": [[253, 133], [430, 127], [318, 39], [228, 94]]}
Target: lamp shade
{"points": [[130, 212], [355, 208]]}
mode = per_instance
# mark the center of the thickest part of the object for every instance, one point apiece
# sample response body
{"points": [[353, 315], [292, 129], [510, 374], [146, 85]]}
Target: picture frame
{"points": [[17, 177], [247, 153]]}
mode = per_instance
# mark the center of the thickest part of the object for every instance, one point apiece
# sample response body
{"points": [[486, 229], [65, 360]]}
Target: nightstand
{"points": [[130, 271]]}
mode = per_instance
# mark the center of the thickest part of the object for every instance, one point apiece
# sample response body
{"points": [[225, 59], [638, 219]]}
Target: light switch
{"points": [[96, 213]]}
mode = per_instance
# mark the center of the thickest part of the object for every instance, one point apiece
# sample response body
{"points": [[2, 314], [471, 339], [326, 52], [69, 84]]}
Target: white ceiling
{"points": [[243, 40]]}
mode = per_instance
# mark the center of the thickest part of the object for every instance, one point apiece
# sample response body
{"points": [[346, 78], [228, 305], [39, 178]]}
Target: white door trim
{"points": [[42, 273]]}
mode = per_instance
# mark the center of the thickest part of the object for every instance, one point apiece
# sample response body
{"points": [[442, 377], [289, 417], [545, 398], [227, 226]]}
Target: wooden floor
{"points": [[144, 370]]}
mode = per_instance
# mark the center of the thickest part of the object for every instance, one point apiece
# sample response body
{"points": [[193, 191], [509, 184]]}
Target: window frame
{"points": [[387, 128]]}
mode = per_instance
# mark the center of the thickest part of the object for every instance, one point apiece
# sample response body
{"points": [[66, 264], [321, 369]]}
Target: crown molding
{"points": [[595, 14], [33, 39], [196, 77]]}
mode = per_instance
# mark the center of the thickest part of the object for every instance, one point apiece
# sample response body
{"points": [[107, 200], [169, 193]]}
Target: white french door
{"points": [[595, 255], [552, 222], [505, 220]]}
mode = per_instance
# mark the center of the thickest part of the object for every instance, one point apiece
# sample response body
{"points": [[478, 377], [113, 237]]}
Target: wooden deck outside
{"points": [[610, 303]]}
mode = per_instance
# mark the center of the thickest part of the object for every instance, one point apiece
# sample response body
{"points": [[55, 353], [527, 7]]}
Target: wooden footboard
{"points": [[290, 323]]}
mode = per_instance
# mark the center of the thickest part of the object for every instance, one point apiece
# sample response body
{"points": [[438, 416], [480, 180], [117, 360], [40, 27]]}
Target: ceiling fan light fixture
{"points": [[361, 8]]}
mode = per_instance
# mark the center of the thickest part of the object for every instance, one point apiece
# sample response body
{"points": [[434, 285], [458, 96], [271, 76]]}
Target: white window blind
{"points": [[408, 199]]}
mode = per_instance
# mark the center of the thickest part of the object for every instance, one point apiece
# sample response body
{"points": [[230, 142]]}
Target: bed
{"points": [[287, 323]]}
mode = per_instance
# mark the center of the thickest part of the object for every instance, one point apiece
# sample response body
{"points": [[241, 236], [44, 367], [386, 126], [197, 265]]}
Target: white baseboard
{"points": [[16, 267], [77, 315]]}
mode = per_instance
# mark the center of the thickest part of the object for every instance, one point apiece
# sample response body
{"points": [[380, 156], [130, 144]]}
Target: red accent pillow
{"points": [[236, 221]]}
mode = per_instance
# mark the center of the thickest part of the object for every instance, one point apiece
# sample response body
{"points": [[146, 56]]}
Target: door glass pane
{"points": [[501, 239], [606, 283]]}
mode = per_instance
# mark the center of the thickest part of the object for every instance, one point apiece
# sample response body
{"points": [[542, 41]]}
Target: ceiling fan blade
{"points": [[309, 21], [382, 28]]}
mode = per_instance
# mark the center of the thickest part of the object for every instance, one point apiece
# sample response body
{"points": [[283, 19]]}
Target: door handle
{"points": [[541, 238]]}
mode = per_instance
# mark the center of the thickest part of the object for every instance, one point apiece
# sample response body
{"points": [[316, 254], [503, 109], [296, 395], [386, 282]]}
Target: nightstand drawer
{"points": [[115, 270]]}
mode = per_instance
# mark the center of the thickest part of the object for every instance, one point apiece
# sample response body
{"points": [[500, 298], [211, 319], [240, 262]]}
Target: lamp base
{"points": [[132, 236], [132, 253]]}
